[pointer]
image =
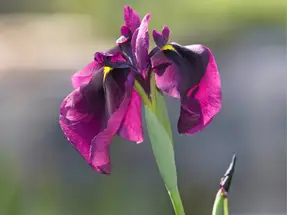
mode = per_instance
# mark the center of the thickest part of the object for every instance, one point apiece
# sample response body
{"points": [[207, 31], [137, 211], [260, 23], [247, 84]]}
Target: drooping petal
{"points": [[99, 154], [84, 76], [114, 86], [207, 96], [93, 114], [132, 19], [161, 38], [140, 44], [131, 128], [190, 120], [82, 115], [191, 66], [193, 76], [166, 77]]}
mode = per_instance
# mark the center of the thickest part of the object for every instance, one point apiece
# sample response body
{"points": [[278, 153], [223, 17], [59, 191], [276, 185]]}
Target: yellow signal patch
{"points": [[168, 47], [106, 71]]}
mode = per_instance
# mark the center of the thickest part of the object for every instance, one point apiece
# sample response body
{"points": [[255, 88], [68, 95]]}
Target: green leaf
{"points": [[162, 113], [162, 148]]}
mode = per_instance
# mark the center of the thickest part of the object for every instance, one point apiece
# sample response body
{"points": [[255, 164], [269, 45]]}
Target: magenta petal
{"points": [[91, 115], [124, 31], [134, 40], [157, 37], [190, 73], [131, 128], [83, 76], [82, 116], [100, 57], [131, 18], [166, 80], [205, 102], [161, 38], [165, 34], [99, 153], [189, 116], [140, 43]]}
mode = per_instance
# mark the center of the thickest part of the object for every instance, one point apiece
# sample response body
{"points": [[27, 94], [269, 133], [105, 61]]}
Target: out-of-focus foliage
{"points": [[184, 16]]}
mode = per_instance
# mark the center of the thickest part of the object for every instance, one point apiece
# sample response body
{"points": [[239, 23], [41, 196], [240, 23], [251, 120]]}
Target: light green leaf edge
{"points": [[163, 150]]}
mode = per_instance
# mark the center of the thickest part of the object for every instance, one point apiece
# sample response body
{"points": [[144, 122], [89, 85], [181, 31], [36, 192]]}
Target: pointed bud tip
{"points": [[226, 180]]}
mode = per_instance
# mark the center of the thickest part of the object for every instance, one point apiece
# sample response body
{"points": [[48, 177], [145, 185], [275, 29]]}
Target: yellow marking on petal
{"points": [[107, 70], [168, 47]]}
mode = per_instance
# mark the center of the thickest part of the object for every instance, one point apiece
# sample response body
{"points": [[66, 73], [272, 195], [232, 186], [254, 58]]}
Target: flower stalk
{"points": [[176, 202], [153, 91], [159, 131], [142, 94]]}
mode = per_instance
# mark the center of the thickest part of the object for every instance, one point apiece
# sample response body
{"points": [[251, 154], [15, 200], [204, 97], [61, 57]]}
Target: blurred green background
{"points": [[42, 43]]}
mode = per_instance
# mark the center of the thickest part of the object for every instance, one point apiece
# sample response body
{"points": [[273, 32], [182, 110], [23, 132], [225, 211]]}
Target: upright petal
{"points": [[131, 127], [132, 19], [161, 38], [140, 43], [165, 34]]}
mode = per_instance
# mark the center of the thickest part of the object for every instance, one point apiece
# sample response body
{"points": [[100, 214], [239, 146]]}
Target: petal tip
{"points": [[131, 18], [147, 17], [165, 33], [161, 38]]}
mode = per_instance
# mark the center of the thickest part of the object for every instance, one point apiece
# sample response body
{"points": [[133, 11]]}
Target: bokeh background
{"points": [[42, 43]]}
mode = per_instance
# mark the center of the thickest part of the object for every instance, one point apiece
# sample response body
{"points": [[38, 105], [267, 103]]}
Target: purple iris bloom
{"points": [[189, 73], [105, 103]]}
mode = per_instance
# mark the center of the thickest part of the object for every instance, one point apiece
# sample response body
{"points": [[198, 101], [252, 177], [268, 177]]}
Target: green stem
{"points": [[153, 91], [225, 206], [217, 206], [176, 202], [220, 204], [142, 93]]}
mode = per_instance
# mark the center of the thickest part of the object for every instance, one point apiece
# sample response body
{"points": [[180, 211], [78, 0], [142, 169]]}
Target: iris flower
{"points": [[105, 103], [189, 73]]}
